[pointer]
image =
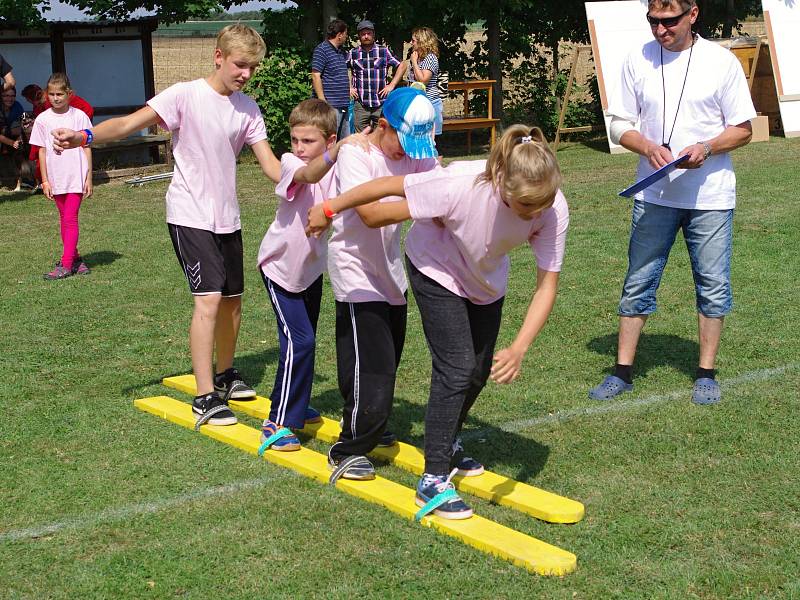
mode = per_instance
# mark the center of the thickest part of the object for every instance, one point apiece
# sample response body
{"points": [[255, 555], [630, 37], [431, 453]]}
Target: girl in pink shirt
{"points": [[467, 218], [66, 175]]}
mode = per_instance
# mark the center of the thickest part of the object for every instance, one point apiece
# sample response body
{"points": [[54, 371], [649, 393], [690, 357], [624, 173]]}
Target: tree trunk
{"points": [[309, 22], [495, 62], [330, 11], [730, 19]]}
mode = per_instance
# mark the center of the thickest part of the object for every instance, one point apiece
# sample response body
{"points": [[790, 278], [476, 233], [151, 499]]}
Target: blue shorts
{"points": [[709, 237]]}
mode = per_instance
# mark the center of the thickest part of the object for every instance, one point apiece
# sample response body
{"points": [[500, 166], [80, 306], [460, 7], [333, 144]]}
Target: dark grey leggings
{"points": [[461, 337]]}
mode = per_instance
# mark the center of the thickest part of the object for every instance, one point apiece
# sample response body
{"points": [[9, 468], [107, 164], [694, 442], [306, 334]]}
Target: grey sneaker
{"points": [[352, 467]]}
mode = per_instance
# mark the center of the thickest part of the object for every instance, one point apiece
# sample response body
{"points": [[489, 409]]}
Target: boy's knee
{"points": [[207, 305]]}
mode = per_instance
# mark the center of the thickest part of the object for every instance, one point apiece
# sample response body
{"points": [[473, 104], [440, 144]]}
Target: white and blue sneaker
{"points": [[437, 495], [466, 465]]}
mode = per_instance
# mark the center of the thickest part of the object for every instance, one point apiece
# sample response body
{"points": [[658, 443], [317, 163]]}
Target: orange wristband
{"points": [[85, 137], [327, 210]]}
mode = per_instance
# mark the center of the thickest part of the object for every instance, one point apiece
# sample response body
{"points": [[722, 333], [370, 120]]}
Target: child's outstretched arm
{"points": [[316, 168], [380, 214], [270, 165], [113, 129], [508, 361]]}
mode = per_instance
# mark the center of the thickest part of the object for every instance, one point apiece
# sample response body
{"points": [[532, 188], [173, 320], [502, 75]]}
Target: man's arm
{"points": [[316, 83], [731, 138], [270, 164], [399, 71]]}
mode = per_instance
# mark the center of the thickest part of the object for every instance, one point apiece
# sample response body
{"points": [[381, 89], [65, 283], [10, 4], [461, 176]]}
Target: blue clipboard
{"points": [[653, 177]]}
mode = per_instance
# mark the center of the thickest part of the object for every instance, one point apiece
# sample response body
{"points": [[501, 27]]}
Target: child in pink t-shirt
{"points": [[467, 218], [66, 176], [211, 120], [291, 265]]}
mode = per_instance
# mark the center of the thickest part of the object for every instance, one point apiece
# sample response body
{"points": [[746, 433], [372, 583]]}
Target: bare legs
{"points": [[215, 322]]}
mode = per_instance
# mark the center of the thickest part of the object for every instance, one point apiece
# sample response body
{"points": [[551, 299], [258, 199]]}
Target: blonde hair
{"points": [[521, 166], [666, 4], [427, 42], [241, 38], [314, 113], [59, 80]]}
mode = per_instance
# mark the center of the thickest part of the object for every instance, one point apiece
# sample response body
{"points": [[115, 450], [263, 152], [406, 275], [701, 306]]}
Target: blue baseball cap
{"points": [[412, 115]]}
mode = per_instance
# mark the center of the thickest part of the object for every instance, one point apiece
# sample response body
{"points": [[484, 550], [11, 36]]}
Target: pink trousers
{"points": [[68, 207]]}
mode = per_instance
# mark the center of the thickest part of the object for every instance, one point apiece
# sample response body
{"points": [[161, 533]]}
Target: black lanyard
{"points": [[664, 94]]}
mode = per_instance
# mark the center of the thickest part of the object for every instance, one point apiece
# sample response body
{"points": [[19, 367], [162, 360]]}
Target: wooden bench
{"points": [[466, 122], [153, 141]]}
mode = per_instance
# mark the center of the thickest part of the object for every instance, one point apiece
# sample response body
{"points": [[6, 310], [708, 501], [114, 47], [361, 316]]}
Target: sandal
{"points": [[706, 391], [611, 387]]}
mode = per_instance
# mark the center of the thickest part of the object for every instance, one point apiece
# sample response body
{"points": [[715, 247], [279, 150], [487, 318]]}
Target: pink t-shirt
{"points": [[469, 255], [67, 171], [208, 132], [287, 256], [364, 264]]}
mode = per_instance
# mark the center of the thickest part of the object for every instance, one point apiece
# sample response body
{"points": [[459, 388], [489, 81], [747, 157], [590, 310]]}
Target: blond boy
{"points": [[210, 120]]}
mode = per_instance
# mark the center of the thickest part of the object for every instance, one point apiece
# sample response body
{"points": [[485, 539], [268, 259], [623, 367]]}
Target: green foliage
{"points": [[535, 98], [278, 85]]}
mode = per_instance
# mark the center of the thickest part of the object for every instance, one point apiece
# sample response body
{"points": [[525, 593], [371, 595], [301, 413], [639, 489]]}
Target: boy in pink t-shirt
{"points": [[458, 267], [210, 120], [369, 283], [291, 265], [66, 176]]}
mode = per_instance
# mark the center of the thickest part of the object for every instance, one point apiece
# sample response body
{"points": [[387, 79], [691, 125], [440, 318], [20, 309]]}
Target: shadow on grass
{"points": [[496, 447], [101, 257], [251, 366], [653, 351], [15, 196]]}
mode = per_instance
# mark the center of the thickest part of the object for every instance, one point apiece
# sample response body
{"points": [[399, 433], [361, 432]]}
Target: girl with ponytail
{"points": [[467, 217]]}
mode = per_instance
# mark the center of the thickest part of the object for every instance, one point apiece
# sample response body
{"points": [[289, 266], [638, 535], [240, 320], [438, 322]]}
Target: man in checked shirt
{"points": [[369, 63]]}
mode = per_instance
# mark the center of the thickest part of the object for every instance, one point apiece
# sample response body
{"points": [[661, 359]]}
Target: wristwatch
{"points": [[706, 149]]}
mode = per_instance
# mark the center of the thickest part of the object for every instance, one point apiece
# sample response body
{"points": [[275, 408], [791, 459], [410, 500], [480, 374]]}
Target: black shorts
{"points": [[212, 262]]}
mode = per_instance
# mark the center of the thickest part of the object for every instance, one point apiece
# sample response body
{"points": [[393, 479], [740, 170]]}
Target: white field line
{"points": [[110, 515], [614, 406]]}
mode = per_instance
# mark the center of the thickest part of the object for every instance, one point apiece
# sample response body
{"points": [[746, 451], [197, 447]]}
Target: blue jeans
{"points": [[342, 123], [437, 124], [708, 235]]}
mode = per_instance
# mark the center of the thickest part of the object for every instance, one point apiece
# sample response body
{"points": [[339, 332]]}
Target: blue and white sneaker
{"points": [[438, 495], [277, 437], [465, 465], [354, 467], [312, 416]]}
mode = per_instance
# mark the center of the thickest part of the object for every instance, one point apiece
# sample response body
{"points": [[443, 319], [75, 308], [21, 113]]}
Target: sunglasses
{"points": [[667, 21]]}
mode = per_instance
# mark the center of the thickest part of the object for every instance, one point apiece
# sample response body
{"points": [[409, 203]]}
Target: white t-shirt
{"points": [[287, 256], [469, 255], [67, 171], [364, 264], [208, 132], [715, 97]]}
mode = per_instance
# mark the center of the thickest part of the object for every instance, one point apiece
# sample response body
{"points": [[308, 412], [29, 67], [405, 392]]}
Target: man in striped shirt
{"points": [[369, 63], [329, 76]]}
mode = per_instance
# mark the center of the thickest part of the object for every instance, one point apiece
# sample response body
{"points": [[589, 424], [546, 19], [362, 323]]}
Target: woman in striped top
{"points": [[424, 68]]}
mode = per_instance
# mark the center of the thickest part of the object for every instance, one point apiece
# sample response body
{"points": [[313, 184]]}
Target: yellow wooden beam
{"points": [[531, 500], [485, 535]]}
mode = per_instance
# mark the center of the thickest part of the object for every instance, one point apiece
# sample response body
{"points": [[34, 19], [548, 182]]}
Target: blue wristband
{"points": [[89, 137]]}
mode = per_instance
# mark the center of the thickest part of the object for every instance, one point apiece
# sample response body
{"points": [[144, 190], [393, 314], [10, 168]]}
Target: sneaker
{"points": [[352, 467], [231, 386], [430, 486], [288, 442], [312, 416], [58, 272], [79, 267], [211, 409], [465, 465], [611, 387], [387, 440]]}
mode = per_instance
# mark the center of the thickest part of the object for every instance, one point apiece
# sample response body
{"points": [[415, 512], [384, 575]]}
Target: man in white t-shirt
{"points": [[210, 120], [690, 98]]}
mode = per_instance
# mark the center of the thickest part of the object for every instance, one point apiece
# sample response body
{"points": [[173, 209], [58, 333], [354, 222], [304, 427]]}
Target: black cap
{"points": [[365, 24]]}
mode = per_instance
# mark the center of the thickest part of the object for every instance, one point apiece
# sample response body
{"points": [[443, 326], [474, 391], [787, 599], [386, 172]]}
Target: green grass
{"points": [[681, 501]]}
